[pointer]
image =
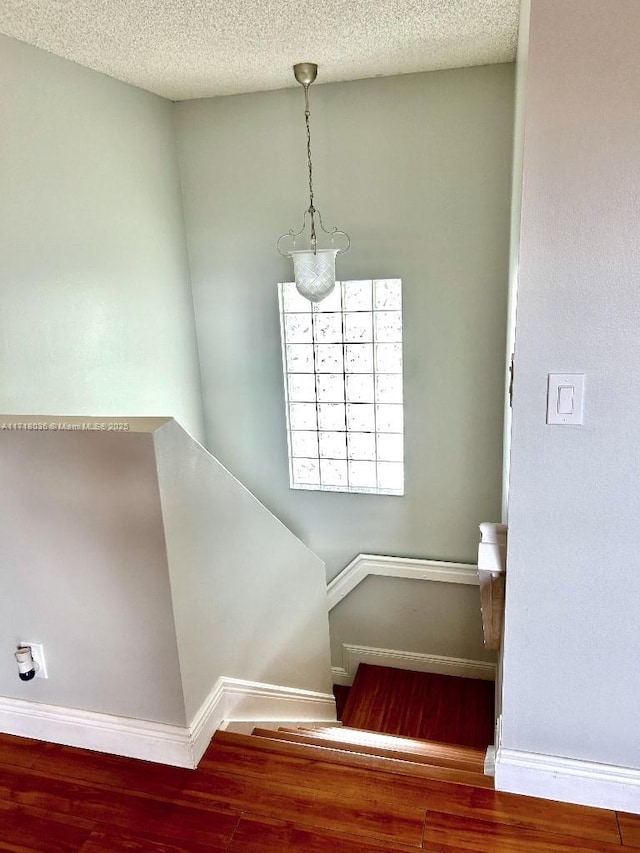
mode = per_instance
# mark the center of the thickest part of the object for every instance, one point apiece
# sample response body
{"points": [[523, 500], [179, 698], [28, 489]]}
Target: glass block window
{"points": [[343, 386]]}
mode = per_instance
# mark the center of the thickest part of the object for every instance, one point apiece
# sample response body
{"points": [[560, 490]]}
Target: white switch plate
{"points": [[565, 398]]}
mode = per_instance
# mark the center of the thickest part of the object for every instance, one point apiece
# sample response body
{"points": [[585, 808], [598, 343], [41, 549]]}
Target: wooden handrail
{"points": [[492, 607], [491, 571]]}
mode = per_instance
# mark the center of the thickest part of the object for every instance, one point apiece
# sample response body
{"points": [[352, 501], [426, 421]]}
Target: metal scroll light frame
{"points": [[306, 73]]}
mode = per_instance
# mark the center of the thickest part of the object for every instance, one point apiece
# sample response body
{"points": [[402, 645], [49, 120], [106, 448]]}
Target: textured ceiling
{"points": [[185, 49]]}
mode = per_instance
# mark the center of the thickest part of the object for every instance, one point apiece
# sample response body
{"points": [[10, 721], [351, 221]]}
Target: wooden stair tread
{"points": [[334, 754], [321, 769], [421, 751], [423, 705], [429, 759]]}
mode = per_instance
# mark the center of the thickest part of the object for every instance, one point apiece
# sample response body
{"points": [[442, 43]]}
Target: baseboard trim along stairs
{"points": [[230, 700], [365, 565], [354, 655]]}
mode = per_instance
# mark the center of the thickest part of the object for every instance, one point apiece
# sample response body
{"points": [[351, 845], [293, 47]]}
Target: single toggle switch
{"points": [[565, 398]]}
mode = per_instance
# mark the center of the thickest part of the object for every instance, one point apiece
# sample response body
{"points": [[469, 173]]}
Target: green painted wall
{"points": [[417, 169]]}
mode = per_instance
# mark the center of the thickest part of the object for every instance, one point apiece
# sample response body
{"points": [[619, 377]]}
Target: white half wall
{"points": [[167, 599], [84, 572], [96, 310], [249, 598], [572, 646]]}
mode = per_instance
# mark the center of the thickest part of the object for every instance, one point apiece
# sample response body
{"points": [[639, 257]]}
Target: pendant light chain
{"points": [[312, 210]]}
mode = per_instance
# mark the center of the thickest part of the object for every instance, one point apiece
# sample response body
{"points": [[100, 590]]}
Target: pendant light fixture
{"points": [[314, 267]]}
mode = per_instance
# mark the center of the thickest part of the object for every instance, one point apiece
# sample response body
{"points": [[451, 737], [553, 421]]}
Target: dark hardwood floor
{"points": [[255, 794], [304, 790], [421, 705]]}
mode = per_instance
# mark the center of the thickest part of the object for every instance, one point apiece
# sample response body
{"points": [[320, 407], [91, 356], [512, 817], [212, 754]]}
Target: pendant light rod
{"points": [[305, 73]]}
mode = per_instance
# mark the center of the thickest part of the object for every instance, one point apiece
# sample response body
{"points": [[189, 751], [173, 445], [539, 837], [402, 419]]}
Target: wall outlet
{"points": [[37, 653]]}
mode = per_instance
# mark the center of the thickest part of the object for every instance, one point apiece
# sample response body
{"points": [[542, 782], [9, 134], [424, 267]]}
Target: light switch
{"points": [[565, 398]]}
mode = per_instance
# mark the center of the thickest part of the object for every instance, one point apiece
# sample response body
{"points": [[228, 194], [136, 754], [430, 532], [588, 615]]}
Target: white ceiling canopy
{"points": [[184, 49]]}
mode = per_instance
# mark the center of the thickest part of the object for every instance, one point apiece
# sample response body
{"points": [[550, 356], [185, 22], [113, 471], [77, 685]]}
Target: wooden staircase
{"points": [[350, 788], [340, 790], [337, 789], [394, 707], [370, 751]]}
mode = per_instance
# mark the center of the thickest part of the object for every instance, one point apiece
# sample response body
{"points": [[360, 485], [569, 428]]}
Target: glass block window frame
{"points": [[342, 361]]}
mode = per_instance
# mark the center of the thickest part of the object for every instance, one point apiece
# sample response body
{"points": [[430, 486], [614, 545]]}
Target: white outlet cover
{"points": [[37, 653]]}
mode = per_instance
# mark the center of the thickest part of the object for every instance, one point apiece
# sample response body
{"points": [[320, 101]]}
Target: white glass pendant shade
{"points": [[315, 272]]}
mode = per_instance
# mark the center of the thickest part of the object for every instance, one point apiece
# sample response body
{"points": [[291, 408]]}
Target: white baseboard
{"points": [[568, 780], [167, 744], [397, 567], [353, 656], [234, 700], [180, 746]]}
